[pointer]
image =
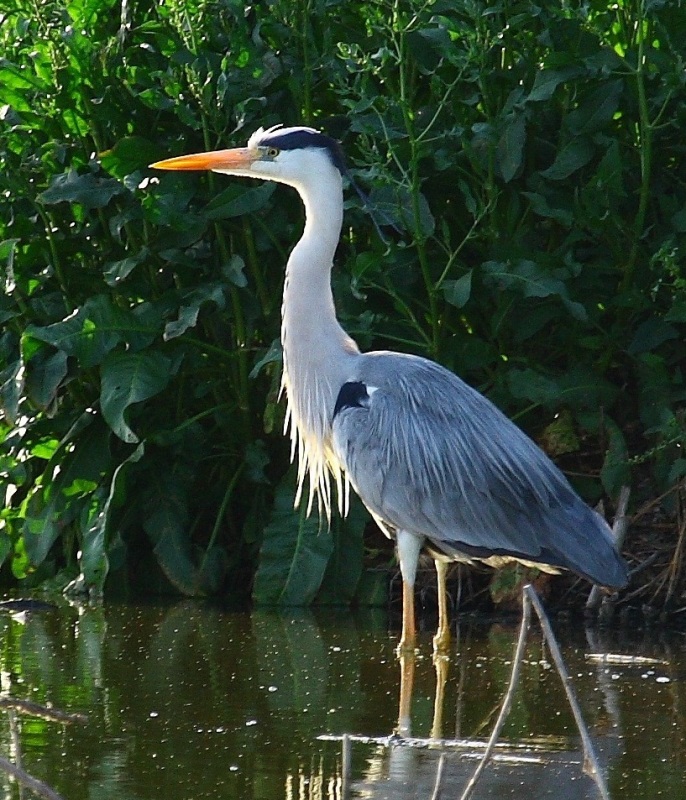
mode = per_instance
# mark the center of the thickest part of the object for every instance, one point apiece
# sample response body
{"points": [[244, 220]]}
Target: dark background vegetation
{"points": [[532, 158]]}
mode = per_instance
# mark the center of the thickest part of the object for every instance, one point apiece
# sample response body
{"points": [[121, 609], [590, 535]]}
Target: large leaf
{"points": [[511, 147], [129, 378], [165, 514], [578, 388], [595, 110], [344, 570], [92, 332], [531, 280], [294, 555], [547, 81], [395, 205], [128, 155], [88, 190], [44, 375], [573, 156], [236, 200]]}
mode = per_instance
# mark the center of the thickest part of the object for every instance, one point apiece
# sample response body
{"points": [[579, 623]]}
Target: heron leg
{"points": [[409, 546], [407, 664], [442, 637]]}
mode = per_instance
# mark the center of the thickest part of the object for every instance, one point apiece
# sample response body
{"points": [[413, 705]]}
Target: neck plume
{"points": [[316, 350]]}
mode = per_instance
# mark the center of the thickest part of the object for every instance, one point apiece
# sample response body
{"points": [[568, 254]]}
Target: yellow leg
{"points": [[442, 637], [407, 662], [441, 664], [408, 639]]}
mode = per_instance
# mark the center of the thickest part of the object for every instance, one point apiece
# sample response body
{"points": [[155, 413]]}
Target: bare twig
{"points": [[507, 701], [436, 794], [619, 529], [591, 765], [346, 761], [38, 710], [31, 783]]}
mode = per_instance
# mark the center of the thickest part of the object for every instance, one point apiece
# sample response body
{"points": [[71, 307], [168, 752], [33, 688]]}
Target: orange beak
{"points": [[237, 158]]}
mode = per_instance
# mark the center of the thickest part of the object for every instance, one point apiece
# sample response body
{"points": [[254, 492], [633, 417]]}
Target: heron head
{"points": [[286, 155]]}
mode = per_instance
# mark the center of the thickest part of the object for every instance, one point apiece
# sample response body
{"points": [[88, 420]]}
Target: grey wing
{"points": [[428, 454]]}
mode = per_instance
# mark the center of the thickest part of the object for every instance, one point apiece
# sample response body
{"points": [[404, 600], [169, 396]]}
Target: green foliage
{"points": [[531, 157]]}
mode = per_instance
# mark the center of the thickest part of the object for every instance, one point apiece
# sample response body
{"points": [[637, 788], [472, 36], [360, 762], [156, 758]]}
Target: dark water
{"points": [[188, 701]]}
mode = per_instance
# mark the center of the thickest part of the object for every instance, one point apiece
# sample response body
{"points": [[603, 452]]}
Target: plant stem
{"points": [[221, 512], [414, 179], [645, 134]]}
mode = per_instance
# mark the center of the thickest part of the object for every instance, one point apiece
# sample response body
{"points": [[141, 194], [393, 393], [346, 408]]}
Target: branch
{"points": [[619, 529], [31, 783]]}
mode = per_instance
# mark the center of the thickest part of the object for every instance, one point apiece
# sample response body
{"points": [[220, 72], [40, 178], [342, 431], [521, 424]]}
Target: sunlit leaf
{"points": [[128, 155]]}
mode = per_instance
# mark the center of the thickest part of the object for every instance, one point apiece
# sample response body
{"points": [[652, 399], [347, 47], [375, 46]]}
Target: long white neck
{"points": [[317, 351]]}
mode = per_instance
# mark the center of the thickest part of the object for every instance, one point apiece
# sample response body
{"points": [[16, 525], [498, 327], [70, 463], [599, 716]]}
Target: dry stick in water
{"points": [[346, 762], [619, 526], [436, 794], [591, 766], [507, 702], [32, 784]]}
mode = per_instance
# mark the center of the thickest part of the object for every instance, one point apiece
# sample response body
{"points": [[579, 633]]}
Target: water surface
{"points": [[190, 701]]}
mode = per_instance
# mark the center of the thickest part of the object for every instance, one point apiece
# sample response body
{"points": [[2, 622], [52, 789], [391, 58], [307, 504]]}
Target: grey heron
{"points": [[434, 461]]}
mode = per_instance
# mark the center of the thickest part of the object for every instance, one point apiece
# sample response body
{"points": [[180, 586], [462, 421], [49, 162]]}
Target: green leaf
{"points": [[44, 375], [87, 189], [572, 157], [52, 505], [129, 378], [274, 355], [395, 204], [615, 471], [93, 331], [458, 292], [546, 81], [128, 155], [11, 390], [540, 206], [344, 570], [93, 560], [650, 335], [510, 151], [165, 510], [236, 200], [596, 109], [531, 280], [190, 310], [528, 384], [579, 388], [115, 271], [294, 555], [233, 270]]}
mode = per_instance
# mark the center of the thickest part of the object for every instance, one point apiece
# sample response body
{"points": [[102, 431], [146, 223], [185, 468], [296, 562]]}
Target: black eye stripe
{"points": [[301, 139]]}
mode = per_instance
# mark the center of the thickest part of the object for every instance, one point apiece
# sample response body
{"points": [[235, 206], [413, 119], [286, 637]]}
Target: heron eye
{"points": [[272, 152]]}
